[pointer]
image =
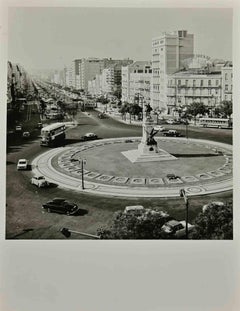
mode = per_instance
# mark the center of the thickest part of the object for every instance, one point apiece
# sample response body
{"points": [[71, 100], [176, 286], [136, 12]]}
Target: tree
{"points": [[195, 109], [226, 108], [216, 222], [141, 224]]}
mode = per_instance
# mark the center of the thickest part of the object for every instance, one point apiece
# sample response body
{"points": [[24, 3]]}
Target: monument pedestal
{"points": [[148, 152], [144, 154]]}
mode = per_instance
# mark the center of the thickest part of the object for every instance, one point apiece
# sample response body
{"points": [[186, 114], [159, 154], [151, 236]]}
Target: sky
{"points": [[40, 38]]}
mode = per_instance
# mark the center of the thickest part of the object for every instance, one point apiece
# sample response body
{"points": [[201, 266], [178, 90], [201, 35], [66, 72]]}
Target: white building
{"points": [[136, 81], [168, 53], [203, 82]]}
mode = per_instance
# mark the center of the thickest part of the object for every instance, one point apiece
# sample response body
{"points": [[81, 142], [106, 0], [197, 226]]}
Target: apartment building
{"points": [[169, 51], [210, 84], [110, 77], [136, 81]]}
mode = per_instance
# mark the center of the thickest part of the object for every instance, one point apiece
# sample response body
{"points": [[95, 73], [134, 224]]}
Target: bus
{"points": [[215, 122], [53, 135]]}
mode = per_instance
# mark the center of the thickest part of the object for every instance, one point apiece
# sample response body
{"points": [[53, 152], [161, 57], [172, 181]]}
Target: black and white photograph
{"points": [[119, 132], [120, 170]]}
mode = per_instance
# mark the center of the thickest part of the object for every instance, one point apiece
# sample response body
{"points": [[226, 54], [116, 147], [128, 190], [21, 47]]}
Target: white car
{"points": [[170, 121], [39, 181], [159, 128], [26, 134], [214, 204], [22, 164]]}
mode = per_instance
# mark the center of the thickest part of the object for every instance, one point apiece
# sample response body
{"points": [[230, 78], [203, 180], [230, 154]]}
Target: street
{"points": [[24, 201]]}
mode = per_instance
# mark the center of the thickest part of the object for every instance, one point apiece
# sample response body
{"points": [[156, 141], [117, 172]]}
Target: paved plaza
{"points": [[202, 167]]}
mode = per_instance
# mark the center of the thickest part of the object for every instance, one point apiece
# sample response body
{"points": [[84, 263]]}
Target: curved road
{"points": [[23, 210]]}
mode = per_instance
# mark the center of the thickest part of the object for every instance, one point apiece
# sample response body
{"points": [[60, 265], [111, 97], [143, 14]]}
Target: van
{"points": [[133, 208]]}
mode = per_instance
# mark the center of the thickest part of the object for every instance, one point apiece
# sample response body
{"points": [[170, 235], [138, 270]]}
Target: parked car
{"points": [[172, 226], [181, 233], [62, 206], [134, 209], [89, 136], [39, 125], [18, 128], [22, 164], [172, 176], [172, 133], [39, 181], [170, 121], [26, 134], [159, 128], [213, 204]]}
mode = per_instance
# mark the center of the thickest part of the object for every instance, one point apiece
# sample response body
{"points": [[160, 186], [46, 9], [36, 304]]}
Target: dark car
{"points": [[172, 177], [60, 205], [172, 133], [89, 136]]}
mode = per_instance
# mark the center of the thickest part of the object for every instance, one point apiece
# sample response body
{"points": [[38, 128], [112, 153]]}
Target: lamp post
{"points": [[183, 195], [82, 162]]}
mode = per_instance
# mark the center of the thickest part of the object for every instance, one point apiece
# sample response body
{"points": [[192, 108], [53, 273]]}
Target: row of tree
{"points": [[193, 110]]}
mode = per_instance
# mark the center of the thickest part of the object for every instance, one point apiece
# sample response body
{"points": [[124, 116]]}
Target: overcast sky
{"points": [[53, 37]]}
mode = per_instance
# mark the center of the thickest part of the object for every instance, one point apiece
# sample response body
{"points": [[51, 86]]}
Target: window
{"points": [[194, 83], [179, 82], [186, 82], [226, 87], [217, 82], [201, 83], [209, 82], [226, 76]]}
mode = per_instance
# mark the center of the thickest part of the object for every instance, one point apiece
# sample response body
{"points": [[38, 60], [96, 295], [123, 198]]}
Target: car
{"points": [[39, 181], [89, 136], [134, 209], [172, 176], [39, 125], [172, 226], [214, 204], [26, 134], [172, 133], [22, 164], [18, 128], [170, 121], [62, 206], [159, 128], [181, 233]]}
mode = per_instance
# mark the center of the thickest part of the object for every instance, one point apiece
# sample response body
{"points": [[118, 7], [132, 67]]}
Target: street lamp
{"points": [[67, 233], [183, 195], [82, 162]]}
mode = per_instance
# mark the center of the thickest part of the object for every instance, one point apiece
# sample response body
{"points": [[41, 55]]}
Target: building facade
{"points": [[136, 82], [168, 54], [227, 81], [209, 83]]}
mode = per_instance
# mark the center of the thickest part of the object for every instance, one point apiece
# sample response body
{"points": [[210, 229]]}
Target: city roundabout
{"points": [[101, 167]]}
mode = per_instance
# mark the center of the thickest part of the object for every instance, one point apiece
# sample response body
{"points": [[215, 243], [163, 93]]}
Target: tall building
{"points": [[88, 69], [168, 54], [136, 81], [111, 76]]}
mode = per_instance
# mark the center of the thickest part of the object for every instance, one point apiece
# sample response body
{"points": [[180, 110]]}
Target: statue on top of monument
{"points": [[148, 110]]}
